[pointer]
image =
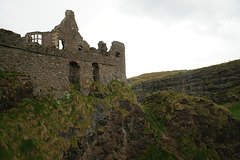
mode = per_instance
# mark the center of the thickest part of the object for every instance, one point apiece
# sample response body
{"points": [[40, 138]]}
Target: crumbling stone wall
{"points": [[43, 38], [67, 31], [10, 38], [39, 54], [48, 73]]}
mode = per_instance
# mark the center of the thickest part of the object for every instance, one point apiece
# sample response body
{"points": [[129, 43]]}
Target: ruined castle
{"points": [[53, 60]]}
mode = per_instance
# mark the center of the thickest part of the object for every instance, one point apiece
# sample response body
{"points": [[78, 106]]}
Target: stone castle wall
{"points": [[52, 69], [48, 73]]}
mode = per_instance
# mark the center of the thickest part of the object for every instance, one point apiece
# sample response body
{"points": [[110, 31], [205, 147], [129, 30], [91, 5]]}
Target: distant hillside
{"points": [[220, 83], [149, 76]]}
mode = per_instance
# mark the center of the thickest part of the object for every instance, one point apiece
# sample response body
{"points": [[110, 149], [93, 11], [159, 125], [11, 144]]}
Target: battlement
{"points": [[57, 58]]}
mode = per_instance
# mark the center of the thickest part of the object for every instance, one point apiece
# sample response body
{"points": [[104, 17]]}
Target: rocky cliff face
{"points": [[114, 137], [107, 124], [185, 127], [219, 83]]}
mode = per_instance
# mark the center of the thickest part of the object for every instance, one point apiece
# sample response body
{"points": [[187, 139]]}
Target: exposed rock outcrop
{"points": [[220, 83], [114, 136]]}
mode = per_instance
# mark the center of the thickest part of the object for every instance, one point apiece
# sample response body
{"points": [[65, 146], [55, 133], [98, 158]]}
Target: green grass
{"points": [[28, 145], [154, 129], [10, 78], [189, 150], [155, 152], [235, 109], [32, 130], [151, 76], [155, 125], [5, 153], [162, 108]]}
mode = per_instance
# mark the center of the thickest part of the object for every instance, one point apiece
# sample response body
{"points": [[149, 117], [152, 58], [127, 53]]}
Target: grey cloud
{"points": [[205, 16], [180, 8]]}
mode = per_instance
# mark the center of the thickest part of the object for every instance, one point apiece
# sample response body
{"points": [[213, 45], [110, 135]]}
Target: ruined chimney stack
{"points": [[69, 13]]}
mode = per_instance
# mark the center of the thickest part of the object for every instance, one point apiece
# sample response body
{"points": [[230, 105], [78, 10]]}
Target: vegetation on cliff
{"points": [[150, 76], [185, 127], [219, 83], [110, 124], [10, 85], [44, 127]]}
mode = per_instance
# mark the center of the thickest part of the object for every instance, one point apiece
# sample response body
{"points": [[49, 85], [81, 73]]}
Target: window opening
{"points": [[117, 54], [35, 38], [60, 44], [74, 69], [96, 77], [80, 47], [40, 41]]}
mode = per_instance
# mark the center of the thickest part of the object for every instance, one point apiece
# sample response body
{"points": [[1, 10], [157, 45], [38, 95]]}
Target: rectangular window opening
{"points": [[96, 77]]}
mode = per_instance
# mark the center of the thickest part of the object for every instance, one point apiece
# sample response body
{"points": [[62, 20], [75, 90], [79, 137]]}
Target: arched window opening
{"points": [[96, 77], [74, 76], [60, 44]]}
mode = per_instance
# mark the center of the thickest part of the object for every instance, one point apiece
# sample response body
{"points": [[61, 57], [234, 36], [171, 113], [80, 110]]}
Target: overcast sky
{"points": [[159, 35]]}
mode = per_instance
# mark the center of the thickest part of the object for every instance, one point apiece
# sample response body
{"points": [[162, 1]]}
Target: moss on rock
{"points": [[44, 127], [190, 127]]}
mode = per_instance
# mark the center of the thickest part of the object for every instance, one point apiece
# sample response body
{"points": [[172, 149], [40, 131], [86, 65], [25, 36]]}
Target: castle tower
{"points": [[117, 50]]}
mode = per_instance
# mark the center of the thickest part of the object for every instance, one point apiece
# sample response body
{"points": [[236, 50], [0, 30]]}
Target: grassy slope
{"points": [[235, 109], [32, 130], [149, 76], [164, 107], [160, 75]]}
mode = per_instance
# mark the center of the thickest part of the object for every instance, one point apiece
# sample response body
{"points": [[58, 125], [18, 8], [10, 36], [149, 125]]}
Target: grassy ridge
{"points": [[151, 76], [164, 74]]}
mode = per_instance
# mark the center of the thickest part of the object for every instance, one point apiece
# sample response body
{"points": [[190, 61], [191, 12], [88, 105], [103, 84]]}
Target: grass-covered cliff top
{"points": [[150, 76], [39, 127], [165, 74], [219, 83]]}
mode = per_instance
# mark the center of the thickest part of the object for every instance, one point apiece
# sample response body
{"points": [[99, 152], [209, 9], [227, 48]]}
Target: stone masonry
{"points": [[60, 57]]}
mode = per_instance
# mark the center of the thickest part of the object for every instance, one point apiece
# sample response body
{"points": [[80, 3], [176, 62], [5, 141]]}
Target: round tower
{"points": [[117, 51]]}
